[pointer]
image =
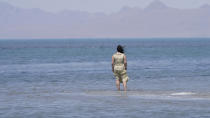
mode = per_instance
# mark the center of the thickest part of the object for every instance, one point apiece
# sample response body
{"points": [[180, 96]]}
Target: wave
{"points": [[56, 67]]}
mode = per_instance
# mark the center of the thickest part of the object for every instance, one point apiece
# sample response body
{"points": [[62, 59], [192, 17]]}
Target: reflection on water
{"points": [[170, 95]]}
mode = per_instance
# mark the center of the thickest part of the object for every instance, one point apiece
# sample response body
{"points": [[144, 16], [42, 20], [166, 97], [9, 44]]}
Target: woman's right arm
{"points": [[112, 63]]}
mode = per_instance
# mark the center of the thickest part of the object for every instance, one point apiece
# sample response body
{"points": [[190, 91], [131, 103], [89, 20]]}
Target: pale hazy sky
{"points": [[106, 6]]}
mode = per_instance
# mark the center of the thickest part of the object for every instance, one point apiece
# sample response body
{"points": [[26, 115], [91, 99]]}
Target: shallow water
{"points": [[73, 78]]}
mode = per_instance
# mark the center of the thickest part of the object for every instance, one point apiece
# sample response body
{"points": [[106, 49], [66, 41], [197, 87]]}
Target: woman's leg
{"points": [[118, 84], [125, 85]]}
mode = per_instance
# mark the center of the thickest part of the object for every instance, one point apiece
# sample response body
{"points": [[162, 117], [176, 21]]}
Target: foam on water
{"points": [[183, 93]]}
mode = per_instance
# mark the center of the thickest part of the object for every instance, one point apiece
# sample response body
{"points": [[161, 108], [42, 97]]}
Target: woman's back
{"points": [[118, 61], [118, 58]]}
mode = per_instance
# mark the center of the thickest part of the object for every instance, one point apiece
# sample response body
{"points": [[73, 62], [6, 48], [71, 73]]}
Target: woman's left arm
{"points": [[125, 62]]}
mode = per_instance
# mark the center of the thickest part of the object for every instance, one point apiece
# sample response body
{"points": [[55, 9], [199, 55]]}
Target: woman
{"points": [[119, 67]]}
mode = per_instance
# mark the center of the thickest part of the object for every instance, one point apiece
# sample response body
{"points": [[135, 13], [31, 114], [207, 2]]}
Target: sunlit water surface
{"points": [[169, 78]]}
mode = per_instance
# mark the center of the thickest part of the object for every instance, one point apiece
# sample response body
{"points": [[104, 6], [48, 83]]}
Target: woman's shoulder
{"points": [[118, 54], [115, 53]]}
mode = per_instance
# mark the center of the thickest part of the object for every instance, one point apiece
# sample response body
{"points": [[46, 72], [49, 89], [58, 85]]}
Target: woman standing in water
{"points": [[119, 67]]}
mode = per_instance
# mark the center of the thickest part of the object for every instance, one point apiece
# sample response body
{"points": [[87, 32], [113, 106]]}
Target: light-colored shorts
{"points": [[121, 75]]}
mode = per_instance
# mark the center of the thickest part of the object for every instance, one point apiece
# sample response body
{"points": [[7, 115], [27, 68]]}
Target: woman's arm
{"points": [[125, 62], [112, 64]]}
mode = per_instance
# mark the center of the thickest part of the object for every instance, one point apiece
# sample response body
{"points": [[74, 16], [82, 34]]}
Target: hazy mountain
{"points": [[156, 5], [205, 6], [157, 20]]}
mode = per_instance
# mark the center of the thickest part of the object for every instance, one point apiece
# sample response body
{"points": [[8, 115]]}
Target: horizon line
{"points": [[114, 38]]}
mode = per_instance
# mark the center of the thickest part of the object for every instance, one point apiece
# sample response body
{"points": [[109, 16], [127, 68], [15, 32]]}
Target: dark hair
{"points": [[120, 49]]}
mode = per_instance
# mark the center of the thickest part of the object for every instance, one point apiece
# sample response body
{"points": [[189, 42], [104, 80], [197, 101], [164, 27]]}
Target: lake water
{"points": [[169, 78]]}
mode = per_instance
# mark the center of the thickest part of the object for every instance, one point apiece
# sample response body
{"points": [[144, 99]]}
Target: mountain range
{"points": [[156, 20]]}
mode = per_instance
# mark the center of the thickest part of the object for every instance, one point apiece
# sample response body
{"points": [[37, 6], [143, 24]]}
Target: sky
{"points": [[106, 6]]}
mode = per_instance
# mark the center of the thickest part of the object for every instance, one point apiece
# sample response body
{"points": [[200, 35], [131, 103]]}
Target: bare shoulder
{"points": [[112, 56]]}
